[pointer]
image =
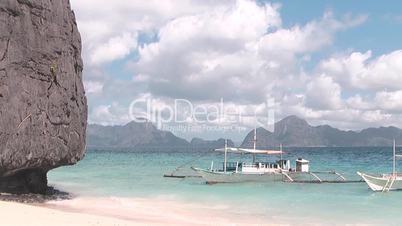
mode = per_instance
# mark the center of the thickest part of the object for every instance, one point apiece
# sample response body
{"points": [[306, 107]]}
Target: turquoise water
{"points": [[135, 173]]}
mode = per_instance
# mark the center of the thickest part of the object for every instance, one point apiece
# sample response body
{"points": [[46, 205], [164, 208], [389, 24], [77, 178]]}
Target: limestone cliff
{"points": [[43, 110]]}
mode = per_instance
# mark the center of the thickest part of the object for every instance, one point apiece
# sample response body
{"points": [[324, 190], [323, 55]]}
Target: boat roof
{"points": [[249, 151]]}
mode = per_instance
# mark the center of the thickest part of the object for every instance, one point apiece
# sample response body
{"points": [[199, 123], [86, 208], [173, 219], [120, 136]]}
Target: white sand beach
{"points": [[118, 211], [17, 214]]}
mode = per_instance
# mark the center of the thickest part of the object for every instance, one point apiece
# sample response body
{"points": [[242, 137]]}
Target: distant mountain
{"points": [[200, 143], [290, 131], [132, 134], [143, 135], [296, 132]]}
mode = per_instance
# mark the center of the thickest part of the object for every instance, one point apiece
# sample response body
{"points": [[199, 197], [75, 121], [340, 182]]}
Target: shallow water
{"points": [[139, 174]]}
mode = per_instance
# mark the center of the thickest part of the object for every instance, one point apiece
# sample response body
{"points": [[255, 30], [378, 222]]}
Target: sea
{"points": [[133, 173]]}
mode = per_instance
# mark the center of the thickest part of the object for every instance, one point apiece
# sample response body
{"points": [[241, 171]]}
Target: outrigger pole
{"points": [[394, 159]]}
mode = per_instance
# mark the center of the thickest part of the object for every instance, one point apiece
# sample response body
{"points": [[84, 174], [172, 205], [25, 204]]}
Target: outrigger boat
{"points": [[385, 182], [254, 171], [243, 171]]}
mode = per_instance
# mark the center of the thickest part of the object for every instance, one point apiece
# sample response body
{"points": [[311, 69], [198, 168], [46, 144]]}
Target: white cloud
{"points": [[242, 21], [391, 101], [93, 87], [311, 37], [208, 49], [112, 114], [324, 94], [344, 118], [361, 71], [100, 21], [116, 48], [357, 102], [140, 78], [236, 50]]}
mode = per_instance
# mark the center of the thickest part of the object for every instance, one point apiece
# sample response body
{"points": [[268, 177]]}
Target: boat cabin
{"points": [[254, 166], [302, 165]]}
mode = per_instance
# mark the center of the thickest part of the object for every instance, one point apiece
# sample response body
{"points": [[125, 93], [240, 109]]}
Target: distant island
{"points": [[143, 135], [291, 131]]}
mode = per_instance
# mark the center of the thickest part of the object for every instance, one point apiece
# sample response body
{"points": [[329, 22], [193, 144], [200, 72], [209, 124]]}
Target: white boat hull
{"points": [[239, 177], [383, 183]]}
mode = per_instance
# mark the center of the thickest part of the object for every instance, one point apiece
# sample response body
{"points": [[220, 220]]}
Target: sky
{"points": [[244, 63]]}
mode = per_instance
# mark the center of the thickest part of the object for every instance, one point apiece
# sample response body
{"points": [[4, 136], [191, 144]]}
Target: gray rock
{"points": [[43, 105]]}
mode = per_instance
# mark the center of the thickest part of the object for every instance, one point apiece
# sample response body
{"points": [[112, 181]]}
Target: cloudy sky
{"points": [[332, 62]]}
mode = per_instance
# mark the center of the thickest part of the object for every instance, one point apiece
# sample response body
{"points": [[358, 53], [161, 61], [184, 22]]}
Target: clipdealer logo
{"points": [[182, 113]]}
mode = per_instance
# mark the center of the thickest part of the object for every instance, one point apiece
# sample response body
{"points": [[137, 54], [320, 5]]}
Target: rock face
{"points": [[295, 132], [43, 105]]}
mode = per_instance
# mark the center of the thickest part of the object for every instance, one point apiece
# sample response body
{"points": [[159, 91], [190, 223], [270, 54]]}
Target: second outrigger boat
{"points": [[384, 182]]}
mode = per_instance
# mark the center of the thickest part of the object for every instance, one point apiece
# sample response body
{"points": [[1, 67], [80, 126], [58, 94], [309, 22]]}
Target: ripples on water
{"points": [[136, 173]]}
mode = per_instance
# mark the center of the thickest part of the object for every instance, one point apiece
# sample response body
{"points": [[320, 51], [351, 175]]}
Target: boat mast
{"points": [[226, 151], [394, 164], [255, 138], [255, 141]]}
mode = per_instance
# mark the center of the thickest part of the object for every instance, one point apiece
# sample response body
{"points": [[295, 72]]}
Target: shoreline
{"points": [[120, 211]]}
